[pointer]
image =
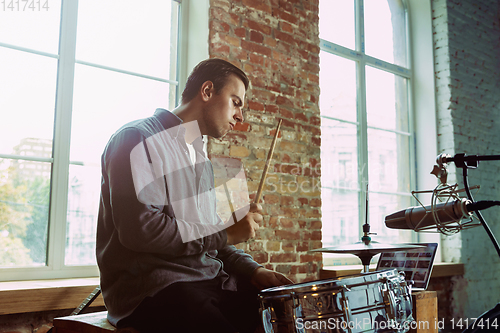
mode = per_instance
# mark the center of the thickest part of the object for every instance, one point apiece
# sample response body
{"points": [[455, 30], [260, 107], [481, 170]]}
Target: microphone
{"points": [[419, 217]]}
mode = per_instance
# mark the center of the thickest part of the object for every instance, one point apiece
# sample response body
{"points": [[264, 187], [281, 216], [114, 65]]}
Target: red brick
{"points": [[287, 27], [257, 48], [257, 59], [310, 258], [252, 105], [287, 223], [314, 235], [271, 42], [288, 246], [316, 202], [260, 257], [263, 96], [238, 53], [240, 32], [273, 246], [286, 234], [272, 108], [256, 36], [286, 113], [290, 212], [235, 19], [303, 201], [286, 5], [286, 200], [287, 16], [302, 247], [301, 116], [284, 257], [261, 5], [271, 199], [313, 78], [265, 29], [284, 101], [316, 225]]}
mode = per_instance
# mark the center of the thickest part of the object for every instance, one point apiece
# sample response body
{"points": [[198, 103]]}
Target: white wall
{"points": [[467, 74]]}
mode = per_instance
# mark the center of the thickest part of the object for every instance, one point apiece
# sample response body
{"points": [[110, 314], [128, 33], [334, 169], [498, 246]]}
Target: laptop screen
{"points": [[415, 263]]}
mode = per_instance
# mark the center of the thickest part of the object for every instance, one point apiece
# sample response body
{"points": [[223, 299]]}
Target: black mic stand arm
{"points": [[471, 162]]}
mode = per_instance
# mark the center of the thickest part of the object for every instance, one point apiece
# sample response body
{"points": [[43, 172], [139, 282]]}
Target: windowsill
{"points": [[46, 295], [439, 270]]}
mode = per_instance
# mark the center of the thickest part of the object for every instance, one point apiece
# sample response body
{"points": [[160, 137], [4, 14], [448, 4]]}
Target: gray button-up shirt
{"points": [[157, 221]]}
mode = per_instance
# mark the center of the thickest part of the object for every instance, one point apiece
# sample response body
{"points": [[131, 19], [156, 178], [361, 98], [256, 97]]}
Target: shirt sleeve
{"points": [[237, 261], [142, 227]]}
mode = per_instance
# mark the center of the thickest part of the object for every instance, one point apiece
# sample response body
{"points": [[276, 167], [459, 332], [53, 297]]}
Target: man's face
{"points": [[224, 108]]}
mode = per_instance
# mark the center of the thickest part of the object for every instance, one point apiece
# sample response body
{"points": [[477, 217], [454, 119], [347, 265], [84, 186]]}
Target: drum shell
{"points": [[369, 302]]}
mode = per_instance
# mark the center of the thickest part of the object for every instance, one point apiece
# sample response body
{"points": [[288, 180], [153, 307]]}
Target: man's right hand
{"points": [[245, 228]]}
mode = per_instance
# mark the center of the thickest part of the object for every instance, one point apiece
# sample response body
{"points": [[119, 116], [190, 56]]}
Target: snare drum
{"points": [[369, 302]]}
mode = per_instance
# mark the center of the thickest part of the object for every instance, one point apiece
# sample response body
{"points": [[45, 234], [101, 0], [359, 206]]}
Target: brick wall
{"points": [[467, 64], [276, 43]]}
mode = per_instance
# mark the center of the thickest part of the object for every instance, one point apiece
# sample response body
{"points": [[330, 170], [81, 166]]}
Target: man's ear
{"points": [[207, 90]]}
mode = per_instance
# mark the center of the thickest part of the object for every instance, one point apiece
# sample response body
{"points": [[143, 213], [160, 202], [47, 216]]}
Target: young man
{"points": [[167, 261]]}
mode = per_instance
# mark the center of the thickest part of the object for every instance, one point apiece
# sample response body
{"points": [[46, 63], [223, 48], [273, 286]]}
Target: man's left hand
{"points": [[264, 278]]}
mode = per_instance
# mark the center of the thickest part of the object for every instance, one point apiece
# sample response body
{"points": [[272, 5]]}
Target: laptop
{"points": [[415, 263]]}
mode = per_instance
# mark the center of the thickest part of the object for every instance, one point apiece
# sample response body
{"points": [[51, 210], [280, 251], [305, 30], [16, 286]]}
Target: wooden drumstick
{"points": [[268, 162]]}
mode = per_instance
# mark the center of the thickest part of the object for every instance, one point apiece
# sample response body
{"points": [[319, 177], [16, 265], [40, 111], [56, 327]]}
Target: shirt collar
{"points": [[169, 120]]}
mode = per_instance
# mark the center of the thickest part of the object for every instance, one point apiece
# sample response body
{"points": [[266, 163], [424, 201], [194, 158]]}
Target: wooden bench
{"points": [[96, 322]]}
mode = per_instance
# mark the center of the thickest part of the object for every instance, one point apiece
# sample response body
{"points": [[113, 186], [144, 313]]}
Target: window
{"points": [[71, 74], [365, 82]]}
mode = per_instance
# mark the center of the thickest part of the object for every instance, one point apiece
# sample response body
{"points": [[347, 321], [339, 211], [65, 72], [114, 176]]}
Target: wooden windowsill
{"points": [[439, 270], [46, 295]]}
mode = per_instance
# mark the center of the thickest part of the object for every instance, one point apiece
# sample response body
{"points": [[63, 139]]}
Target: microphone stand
{"points": [[471, 162], [466, 162], [478, 213]]}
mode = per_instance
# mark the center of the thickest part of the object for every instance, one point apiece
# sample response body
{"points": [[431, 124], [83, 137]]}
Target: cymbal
{"points": [[372, 248]]}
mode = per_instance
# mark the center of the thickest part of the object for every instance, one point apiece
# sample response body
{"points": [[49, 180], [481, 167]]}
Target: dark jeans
{"points": [[197, 307]]}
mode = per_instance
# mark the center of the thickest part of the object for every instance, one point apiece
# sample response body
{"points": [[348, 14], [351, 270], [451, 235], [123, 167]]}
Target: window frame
{"points": [[192, 26], [415, 120]]}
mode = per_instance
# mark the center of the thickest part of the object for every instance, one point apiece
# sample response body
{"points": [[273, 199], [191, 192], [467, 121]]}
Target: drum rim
{"points": [[329, 284]]}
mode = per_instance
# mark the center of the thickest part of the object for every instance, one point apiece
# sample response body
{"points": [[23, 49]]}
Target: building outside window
{"points": [[71, 74], [367, 141]]}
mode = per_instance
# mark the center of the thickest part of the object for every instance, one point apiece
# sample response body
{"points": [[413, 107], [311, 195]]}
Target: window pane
{"points": [[130, 98], [337, 82], [31, 27], [388, 158], [24, 212], [339, 155], [130, 35], [382, 205], [27, 101], [83, 203], [386, 100], [385, 30], [336, 22], [340, 216], [103, 102]]}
